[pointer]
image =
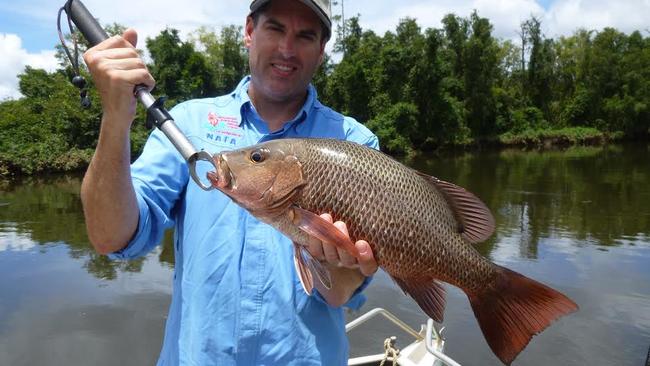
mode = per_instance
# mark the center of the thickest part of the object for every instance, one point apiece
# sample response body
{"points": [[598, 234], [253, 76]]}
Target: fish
{"points": [[421, 229]]}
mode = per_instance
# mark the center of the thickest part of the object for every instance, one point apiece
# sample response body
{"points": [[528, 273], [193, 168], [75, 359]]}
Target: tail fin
{"points": [[514, 309]]}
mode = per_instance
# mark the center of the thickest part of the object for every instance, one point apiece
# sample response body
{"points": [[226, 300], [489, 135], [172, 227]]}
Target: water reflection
{"points": [[52, 312], [13, 240], [577, 219], [597, 195], [41, 211]]}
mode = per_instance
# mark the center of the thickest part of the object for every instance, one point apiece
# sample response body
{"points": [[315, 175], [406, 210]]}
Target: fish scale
{"points": [[421, 229], [335, 181]]}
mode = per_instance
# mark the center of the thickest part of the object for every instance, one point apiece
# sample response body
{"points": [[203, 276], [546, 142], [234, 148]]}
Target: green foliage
{"points": [[395, 127], [181, 73], [467, 86], [565, 136], [47, 130], [417, 89], [225, 55], [480, 67]]}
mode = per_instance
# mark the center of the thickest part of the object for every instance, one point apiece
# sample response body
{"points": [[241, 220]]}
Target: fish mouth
{"points": [[222, 178]]}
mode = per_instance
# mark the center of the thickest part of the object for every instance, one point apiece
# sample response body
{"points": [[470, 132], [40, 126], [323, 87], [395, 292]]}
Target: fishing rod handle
{"points": [[95, 34], [85, 22], [165, 123]]}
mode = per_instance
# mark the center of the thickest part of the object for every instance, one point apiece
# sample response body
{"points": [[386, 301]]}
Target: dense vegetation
{"points": [[417, 89]]}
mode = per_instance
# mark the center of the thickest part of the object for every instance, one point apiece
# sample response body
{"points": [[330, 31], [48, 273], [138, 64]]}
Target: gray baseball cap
{"points": [[322, 8]]}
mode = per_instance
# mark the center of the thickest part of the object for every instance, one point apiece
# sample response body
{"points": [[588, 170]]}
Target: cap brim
{"points": [[321, 15]]}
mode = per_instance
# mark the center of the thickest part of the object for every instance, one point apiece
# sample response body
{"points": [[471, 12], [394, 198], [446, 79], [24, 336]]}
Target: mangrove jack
{"points": [[421, 229]]}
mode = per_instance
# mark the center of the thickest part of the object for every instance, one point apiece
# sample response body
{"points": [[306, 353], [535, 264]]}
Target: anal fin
{"points": [[427, 293]]}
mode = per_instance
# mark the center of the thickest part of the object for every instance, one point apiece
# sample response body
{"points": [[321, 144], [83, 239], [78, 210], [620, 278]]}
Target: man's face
{"points": [[285, 49]]}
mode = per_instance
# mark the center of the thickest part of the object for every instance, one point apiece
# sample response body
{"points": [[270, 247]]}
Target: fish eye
{"points": [[257, 156]]}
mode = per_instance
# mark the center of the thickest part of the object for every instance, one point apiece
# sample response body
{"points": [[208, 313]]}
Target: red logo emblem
{"points": [[225, 121]]}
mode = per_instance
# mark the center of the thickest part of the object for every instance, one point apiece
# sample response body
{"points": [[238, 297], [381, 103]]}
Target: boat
{"points": [[427, 348]]}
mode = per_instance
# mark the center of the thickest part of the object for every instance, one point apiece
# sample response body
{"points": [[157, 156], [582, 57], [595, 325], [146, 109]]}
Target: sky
{"points": [[28, 28]]}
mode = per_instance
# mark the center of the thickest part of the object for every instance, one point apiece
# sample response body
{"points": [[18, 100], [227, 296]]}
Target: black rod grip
{"points": [[87, 24]]}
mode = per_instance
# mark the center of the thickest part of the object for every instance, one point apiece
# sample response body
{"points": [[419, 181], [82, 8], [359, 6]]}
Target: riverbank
{"points": [[78, 160], [540, 139], [560, 137]]}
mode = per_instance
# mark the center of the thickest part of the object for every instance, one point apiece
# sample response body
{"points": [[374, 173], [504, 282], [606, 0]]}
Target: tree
{"points": [[480, 70], [539, 76], [180, 71], [417, 90], [225, 55]]}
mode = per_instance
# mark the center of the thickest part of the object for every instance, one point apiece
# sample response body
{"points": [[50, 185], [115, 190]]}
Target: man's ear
{"points": [[248, 32], [321, 57]]}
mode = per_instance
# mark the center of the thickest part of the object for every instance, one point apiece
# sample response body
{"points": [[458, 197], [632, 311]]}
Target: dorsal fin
{"points": [[475, 220]]}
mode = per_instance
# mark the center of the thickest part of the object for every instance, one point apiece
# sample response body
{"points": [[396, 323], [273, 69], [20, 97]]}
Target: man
{"points": [[236, 297]]}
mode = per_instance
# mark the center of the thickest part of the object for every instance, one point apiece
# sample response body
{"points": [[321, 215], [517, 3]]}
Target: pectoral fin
{"points": [[305, 276], [324, 231], [306, 266], [317, 268]]}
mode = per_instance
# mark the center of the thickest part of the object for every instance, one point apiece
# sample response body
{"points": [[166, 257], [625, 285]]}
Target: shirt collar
{"points": [[240, 94]]}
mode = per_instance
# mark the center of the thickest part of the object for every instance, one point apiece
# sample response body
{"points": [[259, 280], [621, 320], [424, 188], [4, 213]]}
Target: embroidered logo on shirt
{"points": [[223, 129]]}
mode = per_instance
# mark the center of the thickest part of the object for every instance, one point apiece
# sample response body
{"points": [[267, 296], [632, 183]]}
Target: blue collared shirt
{"points": [[236, 297]]}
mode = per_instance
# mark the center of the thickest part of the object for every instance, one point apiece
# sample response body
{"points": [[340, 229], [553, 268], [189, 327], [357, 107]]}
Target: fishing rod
{"points": [[157, 115]]}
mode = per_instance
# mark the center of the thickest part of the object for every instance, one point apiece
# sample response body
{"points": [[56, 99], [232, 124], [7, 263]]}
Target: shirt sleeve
{"points": [[159, 177], [359, 133]]}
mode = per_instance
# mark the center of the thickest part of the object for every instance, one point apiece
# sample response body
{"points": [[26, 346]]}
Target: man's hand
{"points": [[116, 68], [338, 257], [346, 271]]}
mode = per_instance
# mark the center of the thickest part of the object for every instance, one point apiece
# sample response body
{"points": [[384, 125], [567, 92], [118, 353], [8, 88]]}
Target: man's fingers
{"points": [[327, 217], [336, 256], [344, 257], [123, 64], [315, 248], [118, 53], [131, 36], [329, 250], [331, 254], [367, 264], [120, 44], [133, 77], [112, 42], [140, 76]]}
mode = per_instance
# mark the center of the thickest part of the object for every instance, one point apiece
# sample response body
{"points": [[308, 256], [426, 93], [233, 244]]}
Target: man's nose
{"points": [[287, 46]]}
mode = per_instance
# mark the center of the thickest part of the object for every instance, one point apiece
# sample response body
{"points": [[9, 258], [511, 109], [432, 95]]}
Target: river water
{"points": [[576, 219]]}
